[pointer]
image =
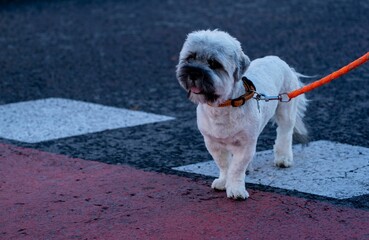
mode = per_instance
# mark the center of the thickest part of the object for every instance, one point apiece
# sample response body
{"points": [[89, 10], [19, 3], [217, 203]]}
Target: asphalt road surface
{"points": [[123, 54]]}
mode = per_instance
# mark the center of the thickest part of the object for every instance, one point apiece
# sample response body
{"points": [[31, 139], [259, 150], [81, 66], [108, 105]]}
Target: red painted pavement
{"points": [[49, 196]]}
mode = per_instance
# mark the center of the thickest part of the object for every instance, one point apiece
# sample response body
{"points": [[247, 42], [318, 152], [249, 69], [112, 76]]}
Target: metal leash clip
{"points": [[283, 97]]}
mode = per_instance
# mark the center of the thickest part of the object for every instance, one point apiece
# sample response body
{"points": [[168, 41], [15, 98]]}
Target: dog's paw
{"points": [[283, 162], [219, 184], [237, 191]]}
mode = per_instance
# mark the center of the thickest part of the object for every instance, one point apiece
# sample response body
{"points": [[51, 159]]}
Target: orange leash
{"points": [[330, 77]]}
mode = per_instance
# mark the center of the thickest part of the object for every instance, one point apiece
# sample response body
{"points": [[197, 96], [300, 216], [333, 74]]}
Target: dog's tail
{"points": [[300, 133]]}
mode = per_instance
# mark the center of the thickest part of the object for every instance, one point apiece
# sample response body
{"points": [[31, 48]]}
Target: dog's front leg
{"points": [[242, 156], [222, 158]]}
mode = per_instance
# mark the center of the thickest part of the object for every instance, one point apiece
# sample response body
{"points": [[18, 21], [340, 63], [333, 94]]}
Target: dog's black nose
{"points": [[195, 75]]}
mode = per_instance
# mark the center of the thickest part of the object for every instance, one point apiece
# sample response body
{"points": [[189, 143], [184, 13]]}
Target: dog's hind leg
{"points": [[285, 118], [289, 118]]}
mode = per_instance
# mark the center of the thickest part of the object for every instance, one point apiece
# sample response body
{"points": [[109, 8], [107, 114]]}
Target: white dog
{"points": [[210, 69]]}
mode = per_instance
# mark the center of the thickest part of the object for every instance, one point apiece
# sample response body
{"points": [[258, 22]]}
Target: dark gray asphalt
{"points": [[123, 54]]}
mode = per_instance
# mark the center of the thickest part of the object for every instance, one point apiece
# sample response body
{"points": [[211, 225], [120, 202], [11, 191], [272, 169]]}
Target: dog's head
{"points": [[210, 63]]}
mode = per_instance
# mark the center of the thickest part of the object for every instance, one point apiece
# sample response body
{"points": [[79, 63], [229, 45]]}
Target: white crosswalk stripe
{"points": [[54, 118]]}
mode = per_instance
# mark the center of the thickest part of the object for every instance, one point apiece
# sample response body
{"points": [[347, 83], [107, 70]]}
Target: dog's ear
{"points": [[243, 63]]}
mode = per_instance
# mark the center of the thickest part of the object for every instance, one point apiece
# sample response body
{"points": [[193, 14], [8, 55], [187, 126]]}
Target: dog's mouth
{"points": [[208, 96], [196, 90]]}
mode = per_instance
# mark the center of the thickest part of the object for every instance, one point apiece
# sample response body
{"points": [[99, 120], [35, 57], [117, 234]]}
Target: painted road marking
{"points": [[323, 168], [54, 118]]}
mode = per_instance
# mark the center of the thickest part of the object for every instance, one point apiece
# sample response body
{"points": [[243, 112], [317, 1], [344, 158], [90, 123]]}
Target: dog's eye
{"points": [[214, 64], [192, 56]]}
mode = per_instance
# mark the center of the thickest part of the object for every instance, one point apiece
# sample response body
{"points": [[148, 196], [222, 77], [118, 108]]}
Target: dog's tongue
{"points": [[195, 90]]}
